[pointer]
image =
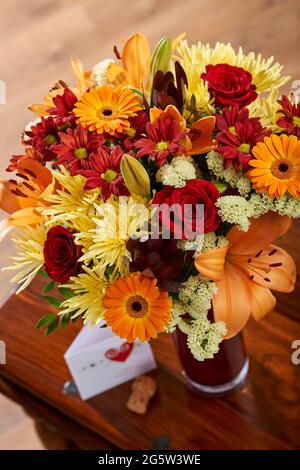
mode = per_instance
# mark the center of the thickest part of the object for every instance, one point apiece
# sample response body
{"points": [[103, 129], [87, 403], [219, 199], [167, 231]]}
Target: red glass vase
{"points": [[216, 377]]}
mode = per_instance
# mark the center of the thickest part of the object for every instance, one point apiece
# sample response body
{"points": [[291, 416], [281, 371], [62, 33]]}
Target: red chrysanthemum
{"points": [[62, 113], [105, 172], [136, 130], [42, 137], [239, 134], [163, 140], [291, 116], [75, 148]]}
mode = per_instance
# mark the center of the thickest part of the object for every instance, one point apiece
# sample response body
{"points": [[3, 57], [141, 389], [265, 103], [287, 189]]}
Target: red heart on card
{"points": [[119, 354]]}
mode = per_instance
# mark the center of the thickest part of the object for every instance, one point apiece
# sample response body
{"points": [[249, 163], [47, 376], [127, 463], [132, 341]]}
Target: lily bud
{"points": [[161, 57], [135, 177]]}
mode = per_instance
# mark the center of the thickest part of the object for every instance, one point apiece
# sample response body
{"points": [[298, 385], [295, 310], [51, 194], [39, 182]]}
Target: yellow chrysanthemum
{"points": [[266, 75], [266, 109], [88, 288], [276, 166], [116, 222], [107, 109], [136, 308], [72, 204], [30, 257]]}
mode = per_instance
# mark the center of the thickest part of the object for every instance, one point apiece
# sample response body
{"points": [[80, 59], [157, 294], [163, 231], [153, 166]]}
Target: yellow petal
{"points": [[135, 176]]}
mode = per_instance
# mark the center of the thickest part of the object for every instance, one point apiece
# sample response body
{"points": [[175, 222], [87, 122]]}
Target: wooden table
{"points": [[264, 415]]}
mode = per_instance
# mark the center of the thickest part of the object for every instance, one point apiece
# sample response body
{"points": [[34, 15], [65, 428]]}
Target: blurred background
{"points": [[38, 37]]}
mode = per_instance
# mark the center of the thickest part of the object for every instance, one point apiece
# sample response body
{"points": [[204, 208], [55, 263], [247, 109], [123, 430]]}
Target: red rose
{"points": [[183, 222], [61, 254], [229, 85]]}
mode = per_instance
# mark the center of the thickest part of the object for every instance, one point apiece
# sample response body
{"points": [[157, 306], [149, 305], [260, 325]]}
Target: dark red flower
{"points": [[61, 254], [75, 148], [105, 172], [136, 130], [163, 140], [291, 116], [29, 153], [184, 221], [157, 258], [229, 85], [239, 134], [62, 113], [167, 90], [42, 137]]}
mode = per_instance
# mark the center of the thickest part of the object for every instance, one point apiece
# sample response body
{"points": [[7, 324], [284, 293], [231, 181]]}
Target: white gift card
{"points": [[99, 360]]}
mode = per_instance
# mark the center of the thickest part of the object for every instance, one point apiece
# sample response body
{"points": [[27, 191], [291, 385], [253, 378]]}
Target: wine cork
{"points": [[143, 388]]}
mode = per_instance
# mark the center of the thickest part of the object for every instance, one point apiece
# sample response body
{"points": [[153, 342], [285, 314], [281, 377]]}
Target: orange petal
{"points": [[232, 302], [9, 202], [262, 299], [274, 268], [37, 172], [201, 135], [262, 232], [211, 264], [23, 217], [171, 111], [135, 58]]}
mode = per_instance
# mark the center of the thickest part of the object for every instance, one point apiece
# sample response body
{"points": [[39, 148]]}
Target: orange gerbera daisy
{"points": [[136, 308], [107, 109], [276, 165]]}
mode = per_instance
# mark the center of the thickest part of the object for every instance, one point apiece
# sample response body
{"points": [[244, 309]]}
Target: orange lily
{"points": [[21, 199], [246, 271], [201, 135], [135, 63]]}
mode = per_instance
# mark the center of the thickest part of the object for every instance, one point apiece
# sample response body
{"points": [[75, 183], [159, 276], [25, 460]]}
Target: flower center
{"points": [[137, 306], [296, 121], [131, 132], [105, 113], [109, 175], [282, 169], [50, 139], [232, 130], [161, 146], [81, 153], [245, 148]]}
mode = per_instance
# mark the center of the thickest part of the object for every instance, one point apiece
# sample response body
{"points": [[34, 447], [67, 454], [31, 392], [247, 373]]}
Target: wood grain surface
{"points": [[37, 39]]}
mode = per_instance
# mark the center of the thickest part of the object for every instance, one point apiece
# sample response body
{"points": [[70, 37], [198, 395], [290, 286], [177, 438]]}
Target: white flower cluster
{"points": [[178, 172], [99, 72], [202, 243], [235, 210], [238, 210], [235, 179], [205, 337]]}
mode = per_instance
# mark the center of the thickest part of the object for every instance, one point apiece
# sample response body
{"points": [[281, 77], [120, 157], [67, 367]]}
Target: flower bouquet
{"points": [[151, 191]]}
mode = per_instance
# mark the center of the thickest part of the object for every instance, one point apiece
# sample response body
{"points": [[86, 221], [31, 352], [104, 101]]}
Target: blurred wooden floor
{"points": [[37, 37]]}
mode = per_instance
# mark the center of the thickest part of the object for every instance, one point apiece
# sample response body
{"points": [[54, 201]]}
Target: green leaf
{"points": [[65, 320], [66, 292], [53, 301], [45, 320], [49, 287], [42, 273], [52, 327]]}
